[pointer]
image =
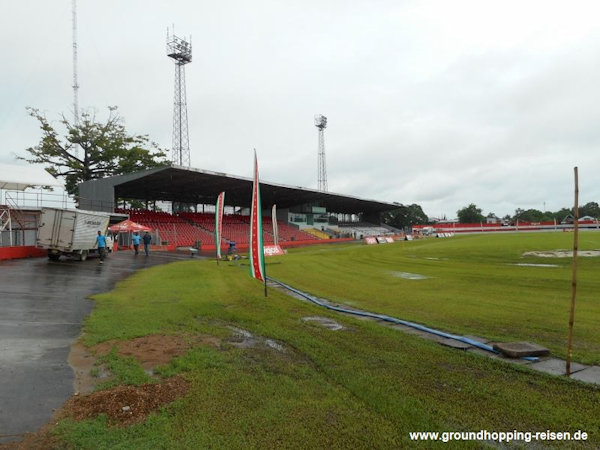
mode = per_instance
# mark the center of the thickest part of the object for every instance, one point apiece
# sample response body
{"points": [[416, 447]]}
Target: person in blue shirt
{"points": [[101, 241], [147, 239], [135, 239]]}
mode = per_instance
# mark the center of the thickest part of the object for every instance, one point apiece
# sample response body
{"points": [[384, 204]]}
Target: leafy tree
{"points": [[92, 149], [563, 214], [532, 215], [590, 209], [470, 214], [405, 216]]}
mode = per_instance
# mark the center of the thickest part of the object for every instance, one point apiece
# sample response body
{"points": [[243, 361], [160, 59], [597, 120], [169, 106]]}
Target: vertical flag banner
{"points": [[275, 226], [219, 222], [257, 255]]}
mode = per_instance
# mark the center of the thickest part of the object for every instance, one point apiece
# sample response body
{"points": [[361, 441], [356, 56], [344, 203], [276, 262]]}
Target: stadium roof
{"points": [[188, 185]]}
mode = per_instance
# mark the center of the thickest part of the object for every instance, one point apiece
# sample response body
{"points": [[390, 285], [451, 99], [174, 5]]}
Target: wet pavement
{"points": [[42, 307]]}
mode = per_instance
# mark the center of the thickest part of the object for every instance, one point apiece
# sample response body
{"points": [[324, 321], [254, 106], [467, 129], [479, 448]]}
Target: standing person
{"points": [[136, 238], [147, 239], [101, 241]]}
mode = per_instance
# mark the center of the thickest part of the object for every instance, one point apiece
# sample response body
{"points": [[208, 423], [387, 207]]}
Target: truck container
{"points": [[71, 232]]}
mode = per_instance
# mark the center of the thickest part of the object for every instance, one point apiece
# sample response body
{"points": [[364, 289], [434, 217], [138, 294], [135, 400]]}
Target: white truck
{"points": [[71, 232]]}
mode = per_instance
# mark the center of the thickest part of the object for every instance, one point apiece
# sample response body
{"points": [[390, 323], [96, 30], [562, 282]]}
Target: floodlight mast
{"points": [[321, 124], [75, 82], [180, 50]]}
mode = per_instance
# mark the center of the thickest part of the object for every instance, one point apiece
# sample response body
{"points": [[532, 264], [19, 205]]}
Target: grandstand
{"points": [[187, 228], [170, 229], [299, 210], [363, 229]]}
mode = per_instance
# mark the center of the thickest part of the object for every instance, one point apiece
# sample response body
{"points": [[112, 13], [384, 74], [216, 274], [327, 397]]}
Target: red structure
{"points": [[185, 228]]}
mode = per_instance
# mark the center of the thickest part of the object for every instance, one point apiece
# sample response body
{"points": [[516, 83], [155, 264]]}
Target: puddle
{"points": [[562, 253], [409, 276], [534, 265], [274, 345], [325, 322], [244, 339]]}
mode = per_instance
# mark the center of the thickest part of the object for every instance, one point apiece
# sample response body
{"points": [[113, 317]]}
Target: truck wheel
{"points": [[53, 256], [83, 255]]}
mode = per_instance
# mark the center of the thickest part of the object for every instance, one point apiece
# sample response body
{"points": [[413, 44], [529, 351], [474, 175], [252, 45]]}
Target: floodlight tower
{"points": [[75, 83], [321, 124], [180, 51]]}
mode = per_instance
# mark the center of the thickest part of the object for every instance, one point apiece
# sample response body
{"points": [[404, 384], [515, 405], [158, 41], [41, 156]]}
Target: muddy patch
{"points": [[330, 324], [151, 351], [156, 350], [125, 405], [409, 276], [563, 253]]}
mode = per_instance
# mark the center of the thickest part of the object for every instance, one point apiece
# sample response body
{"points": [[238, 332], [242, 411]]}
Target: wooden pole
{"points": [[574, 277]]}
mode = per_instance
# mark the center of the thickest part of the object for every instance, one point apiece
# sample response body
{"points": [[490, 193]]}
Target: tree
{"points": [[92, 149], [590, 209], [405, 216], [563, 214], [532, 215], [470, 214]]}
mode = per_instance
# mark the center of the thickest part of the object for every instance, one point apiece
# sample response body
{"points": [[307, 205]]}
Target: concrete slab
{"points": [[455, 344], [555, 366], [520, 349], [43, 304], [498, 356], [589, 375]]}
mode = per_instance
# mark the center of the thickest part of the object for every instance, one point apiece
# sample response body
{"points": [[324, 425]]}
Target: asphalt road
{"points": [[42, 306]]}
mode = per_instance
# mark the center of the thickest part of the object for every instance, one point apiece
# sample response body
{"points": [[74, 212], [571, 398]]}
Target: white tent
{"points": [[18, 178]]}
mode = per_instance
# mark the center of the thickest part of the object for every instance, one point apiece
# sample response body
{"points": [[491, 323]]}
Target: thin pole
{"points": [[574, 278], [265, 283]]}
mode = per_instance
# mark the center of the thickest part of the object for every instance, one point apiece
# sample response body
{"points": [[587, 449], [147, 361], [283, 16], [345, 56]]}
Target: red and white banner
{"points": [[273, 250], [257, 256], [370, 240], [275, 226], [219, 222]]}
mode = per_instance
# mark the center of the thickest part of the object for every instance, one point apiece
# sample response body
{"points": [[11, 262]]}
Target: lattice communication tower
{"points": [[180, 50], [321, 124], [75, 82]]}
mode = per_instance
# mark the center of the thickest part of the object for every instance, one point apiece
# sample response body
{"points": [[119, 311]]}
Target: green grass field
{"points": [[366, 386], [473, 285]]}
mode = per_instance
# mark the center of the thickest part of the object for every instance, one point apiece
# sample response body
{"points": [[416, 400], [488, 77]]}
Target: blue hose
{"points": [[416, 326]]}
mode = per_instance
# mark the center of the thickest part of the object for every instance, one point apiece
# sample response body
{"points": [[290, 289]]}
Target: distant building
{"points": [[492, 218]]}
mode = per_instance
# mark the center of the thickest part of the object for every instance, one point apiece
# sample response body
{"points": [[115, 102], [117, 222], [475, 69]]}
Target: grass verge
{"points": [[366, 386]]}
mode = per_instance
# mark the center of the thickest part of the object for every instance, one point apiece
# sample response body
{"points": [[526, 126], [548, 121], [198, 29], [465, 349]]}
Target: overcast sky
{"points": [[440, 103]]}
